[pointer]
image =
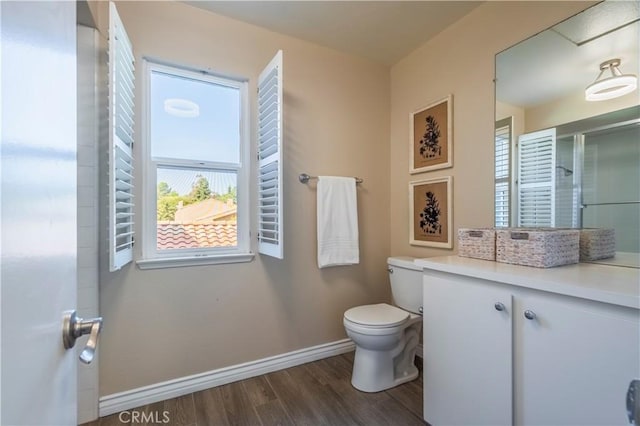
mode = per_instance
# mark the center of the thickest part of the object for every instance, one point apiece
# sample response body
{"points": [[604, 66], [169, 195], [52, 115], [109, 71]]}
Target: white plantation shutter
{"points": [[503, 175], [536, 178], [121, 93], [502, 204], [270, 159]]}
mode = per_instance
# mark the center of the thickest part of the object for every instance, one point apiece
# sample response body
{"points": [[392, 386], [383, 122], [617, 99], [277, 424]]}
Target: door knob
{"points": [[74, 327], [499, 306], [530, 315]]}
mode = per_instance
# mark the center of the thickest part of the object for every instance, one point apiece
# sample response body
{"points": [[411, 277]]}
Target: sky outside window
{"points": [[212, 135]]}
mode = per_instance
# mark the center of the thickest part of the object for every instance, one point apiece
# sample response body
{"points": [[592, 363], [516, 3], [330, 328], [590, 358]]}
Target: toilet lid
{"points": [[380, 315]]}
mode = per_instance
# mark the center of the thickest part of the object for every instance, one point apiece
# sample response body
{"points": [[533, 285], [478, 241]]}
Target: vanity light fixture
{"points": [[610, 87]]}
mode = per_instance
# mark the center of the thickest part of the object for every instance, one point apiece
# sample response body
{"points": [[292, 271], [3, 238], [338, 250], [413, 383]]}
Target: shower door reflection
{"points": [[611, 183]]}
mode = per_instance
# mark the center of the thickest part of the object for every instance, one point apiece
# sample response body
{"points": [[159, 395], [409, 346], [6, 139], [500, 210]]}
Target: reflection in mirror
{"points": [[562, 160]]}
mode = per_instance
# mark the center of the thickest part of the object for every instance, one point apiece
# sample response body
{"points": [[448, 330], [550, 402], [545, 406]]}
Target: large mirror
{"points": [[563, 160]]}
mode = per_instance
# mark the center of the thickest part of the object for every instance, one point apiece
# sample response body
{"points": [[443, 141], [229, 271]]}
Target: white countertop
{"points": [[603, 283], [631, 260]]}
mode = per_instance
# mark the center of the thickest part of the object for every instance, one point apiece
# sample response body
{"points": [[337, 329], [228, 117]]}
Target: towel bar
{"points": [[305, 178]]}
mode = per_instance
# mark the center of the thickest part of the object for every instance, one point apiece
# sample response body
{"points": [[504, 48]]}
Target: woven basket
{"points": [[479, 243], [542, 248], [596, 243]]}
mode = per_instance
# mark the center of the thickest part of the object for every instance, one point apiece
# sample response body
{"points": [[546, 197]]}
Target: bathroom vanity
{"points": [[506, 344]]}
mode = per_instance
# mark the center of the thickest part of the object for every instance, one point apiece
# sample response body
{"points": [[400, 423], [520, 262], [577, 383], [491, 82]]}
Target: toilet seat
{"points": [[380, 315]]}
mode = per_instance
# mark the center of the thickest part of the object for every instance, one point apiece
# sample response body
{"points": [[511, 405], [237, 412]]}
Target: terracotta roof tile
{"points": [[173, 235]]}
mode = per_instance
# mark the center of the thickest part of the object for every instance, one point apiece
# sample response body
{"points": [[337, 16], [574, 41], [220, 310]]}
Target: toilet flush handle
{"points": [[421, 309], [390, 270]]}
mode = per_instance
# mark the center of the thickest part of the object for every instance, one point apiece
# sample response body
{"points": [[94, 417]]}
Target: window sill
{"points": [[179, 262]]}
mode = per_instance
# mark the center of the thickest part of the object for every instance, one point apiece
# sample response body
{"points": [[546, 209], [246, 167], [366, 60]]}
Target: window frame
{"points": [[152, 257]]}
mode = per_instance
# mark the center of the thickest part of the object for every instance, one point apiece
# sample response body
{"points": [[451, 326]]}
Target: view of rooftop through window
{"points": [[195, 142]]}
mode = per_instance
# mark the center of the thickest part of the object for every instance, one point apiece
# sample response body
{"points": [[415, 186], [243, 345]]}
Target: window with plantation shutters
{"points": [[196, 163], [270, 159], [536, 178], [503, 136], [121, 94]]}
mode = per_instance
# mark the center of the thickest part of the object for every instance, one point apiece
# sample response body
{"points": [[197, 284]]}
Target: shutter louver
{"points": [[502, 172], [270, 159], [121, 94], [536, 178]]}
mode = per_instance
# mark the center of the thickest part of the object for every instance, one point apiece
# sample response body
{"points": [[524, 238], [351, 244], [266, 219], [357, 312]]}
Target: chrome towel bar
{"points": [[305, 178]]}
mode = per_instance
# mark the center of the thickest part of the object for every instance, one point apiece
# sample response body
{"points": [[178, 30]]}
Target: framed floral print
{"points": [[430, 209], [432, 137]]}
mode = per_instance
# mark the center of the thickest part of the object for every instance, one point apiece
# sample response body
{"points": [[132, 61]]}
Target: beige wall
{"points": [[504, 110], [169, 323], [573, 108], [459, 61]]}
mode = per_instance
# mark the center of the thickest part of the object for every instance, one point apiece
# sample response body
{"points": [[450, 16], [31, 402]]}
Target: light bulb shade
{"points": [[612, 87]]}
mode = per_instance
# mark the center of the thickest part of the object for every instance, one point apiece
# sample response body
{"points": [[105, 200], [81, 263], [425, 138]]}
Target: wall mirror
{"points": [[562, 160]]}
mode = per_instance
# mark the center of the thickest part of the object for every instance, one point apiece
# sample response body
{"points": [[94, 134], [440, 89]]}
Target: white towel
{"points": [[337, 221]]}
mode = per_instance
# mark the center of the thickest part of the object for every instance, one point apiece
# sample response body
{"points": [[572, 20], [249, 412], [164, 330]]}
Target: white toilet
{"points": [[386, 336]]}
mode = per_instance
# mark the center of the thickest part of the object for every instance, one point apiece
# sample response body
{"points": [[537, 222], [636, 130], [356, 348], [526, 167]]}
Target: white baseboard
{"points": [[127, 400]]}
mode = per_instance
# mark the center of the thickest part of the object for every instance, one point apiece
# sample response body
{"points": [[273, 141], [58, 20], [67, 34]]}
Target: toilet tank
{"points": [[406, 283]]}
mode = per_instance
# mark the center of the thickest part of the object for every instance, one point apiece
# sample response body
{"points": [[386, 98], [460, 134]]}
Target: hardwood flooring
{"points": [[317, 393]]}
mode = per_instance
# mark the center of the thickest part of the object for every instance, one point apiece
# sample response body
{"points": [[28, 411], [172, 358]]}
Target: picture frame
{"points": [[431, 212], [431, 143]]}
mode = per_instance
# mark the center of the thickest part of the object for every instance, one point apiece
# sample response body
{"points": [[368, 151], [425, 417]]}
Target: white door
{"points": [[38, 204], [467, 352], [575, 360]]}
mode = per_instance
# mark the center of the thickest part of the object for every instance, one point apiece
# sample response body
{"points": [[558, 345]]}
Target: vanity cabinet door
{"points": [[467, 351], [573, 360]]}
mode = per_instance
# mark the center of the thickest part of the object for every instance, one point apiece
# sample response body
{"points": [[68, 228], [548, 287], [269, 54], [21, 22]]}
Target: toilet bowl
{"points": [[386, 336]]}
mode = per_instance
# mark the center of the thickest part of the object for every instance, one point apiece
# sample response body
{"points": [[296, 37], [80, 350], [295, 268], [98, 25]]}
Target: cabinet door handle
{"points": [[530, 315], [499, 306], [633, 402]]}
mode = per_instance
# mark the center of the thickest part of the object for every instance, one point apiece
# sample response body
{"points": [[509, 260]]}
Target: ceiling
{"points": [[548, 66], [383, 31], [564, 60]]}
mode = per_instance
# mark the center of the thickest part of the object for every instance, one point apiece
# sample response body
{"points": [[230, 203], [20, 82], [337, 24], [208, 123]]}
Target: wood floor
{"points": [[318, 393]]}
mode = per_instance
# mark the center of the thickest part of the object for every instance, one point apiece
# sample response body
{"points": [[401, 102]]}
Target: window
{"points": [[503, 171], [196, 168]]}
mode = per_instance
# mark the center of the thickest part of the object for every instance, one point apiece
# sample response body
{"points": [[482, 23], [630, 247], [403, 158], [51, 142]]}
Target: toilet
{"points": [[386, 337]]}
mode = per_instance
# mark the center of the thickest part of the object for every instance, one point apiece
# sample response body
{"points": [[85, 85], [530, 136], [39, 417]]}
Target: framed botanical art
{"points": [[432, 137], [430, 210]]}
